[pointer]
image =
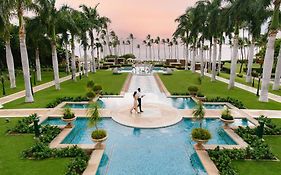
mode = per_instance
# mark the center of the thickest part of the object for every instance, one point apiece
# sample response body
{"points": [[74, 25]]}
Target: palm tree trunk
{"points": [[250, 62], [158, 52], [67, 58], [24, 58], [10, 64], [73, 63], [233, 63], [267, 66], [220, 54], [201, 61], [193, 59], [210, 55], [93, 59], [276, 84], [55, 65], [186, 57], [86, 61], [214, 64], [38, 66], [165, 56]]}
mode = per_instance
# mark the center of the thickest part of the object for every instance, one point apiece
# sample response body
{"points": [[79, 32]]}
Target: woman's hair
{"points": [[134, 93]]}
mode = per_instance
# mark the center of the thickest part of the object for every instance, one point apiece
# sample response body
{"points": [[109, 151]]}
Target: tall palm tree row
{"points": [[5, 15], [213, 20], [48, 25]]}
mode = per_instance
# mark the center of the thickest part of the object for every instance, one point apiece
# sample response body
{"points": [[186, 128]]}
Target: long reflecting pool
{"points": [[147, 151]]}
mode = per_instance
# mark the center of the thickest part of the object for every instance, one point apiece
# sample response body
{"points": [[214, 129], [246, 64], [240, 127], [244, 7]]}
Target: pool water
{"points": [[183, 103], [100, 103], [147, 151], [214, 106]]}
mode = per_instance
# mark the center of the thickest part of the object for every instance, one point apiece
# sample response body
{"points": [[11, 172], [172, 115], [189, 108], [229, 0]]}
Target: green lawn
{"points": [[243, 81], [11, 162], [263, 167], [228, 65], [181, 80], [46, 77], [110, 83]]}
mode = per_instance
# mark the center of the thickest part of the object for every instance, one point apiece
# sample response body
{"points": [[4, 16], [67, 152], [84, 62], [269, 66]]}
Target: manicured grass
{"points": [[263, 167], [228, 65], [110, 84], [11, 162], [243, 81], [181, 80], [46, 77]]}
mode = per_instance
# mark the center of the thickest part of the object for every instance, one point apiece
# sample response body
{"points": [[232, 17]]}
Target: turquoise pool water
{"points": [[100, 103], [183, 103], [214, 106], [147, 151]]}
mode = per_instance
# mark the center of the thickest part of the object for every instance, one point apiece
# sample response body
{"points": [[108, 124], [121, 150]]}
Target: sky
{"points": [[140, 17]]}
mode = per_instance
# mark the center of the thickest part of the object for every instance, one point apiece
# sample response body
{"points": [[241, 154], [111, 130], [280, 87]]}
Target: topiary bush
{"points": [[193, 90], [99, 134], [226, 115]]}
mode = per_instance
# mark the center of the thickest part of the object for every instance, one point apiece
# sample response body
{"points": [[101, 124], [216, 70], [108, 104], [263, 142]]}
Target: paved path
{"points": [[21, 94], [247, 88]]}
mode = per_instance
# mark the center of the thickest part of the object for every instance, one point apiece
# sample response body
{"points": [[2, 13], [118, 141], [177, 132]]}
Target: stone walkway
{"points": [[271, 96], [21, 94]]}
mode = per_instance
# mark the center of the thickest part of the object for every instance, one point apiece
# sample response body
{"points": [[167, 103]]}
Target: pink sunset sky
{"points": [[140, 17]]}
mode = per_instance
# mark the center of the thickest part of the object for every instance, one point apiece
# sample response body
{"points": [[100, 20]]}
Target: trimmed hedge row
{"points": [[233, 101]]}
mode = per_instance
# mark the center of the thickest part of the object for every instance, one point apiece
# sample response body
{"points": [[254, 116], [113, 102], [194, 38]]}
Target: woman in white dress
{"points": [[135, 107]]}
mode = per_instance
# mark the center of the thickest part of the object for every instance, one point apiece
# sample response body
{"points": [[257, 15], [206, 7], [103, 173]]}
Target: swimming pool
{"points": [[147, 151], [74, 105], [183, 103], [214, 106]]}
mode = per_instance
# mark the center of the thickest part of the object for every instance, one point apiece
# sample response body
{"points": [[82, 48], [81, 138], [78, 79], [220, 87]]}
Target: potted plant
{"points": [[193, 90], [93, 90], [68, 117], [200, 135], [98, 135], [226, 117]]}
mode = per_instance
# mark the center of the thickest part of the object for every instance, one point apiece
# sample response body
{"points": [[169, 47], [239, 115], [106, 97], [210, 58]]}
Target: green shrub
{"points": [[99, 134], [193, 89], [201, 134], [200, 94], [90, 95], [240, 75], [90, 84], [97, 89], [126, 56], [23, 126], [59, 100]]}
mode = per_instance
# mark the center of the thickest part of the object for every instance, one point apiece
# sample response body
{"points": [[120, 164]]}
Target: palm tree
{"points": [[131, 37], [50, 16], [199, 113], [237, 12], [139, 47], [214, 19], [157, 41], [164, 45], [21, 5], [38, 29], [145, 43], [5, 15], [94, 23], [269, 54]]}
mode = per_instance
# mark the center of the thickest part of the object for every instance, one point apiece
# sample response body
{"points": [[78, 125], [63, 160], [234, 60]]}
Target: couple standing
{"points": [[137, 101]]}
